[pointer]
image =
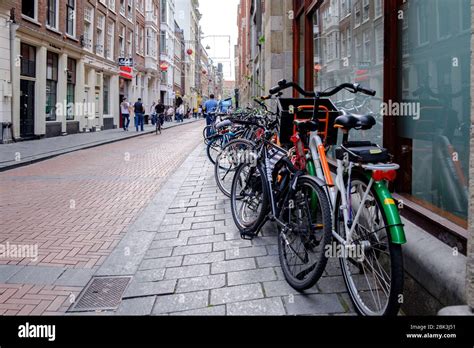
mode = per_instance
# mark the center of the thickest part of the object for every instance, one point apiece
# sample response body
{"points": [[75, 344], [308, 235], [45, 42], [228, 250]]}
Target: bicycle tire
{"points": [[396, 263], [255, 179], [313, 273], [222, 173], [214, 148]]}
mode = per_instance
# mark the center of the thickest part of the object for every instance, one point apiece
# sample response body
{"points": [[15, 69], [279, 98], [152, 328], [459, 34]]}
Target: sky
{"points": [[219, 17]]}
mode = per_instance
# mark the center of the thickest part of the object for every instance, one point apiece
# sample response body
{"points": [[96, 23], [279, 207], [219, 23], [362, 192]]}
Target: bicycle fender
{"points": [[318, 181], [390, 208]]}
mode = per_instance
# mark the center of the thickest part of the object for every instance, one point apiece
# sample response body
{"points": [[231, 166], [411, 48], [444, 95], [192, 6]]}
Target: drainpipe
{"points": [[7, 131]]}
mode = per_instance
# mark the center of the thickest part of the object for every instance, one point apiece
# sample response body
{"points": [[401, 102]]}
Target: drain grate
{"points": [[101, 294]]}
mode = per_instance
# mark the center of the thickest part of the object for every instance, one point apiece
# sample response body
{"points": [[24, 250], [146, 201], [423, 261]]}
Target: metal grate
{"points": [[102, 293]]}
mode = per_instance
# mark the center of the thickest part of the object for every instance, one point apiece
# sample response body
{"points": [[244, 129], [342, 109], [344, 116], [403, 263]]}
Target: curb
{"points": [[85, 147]]}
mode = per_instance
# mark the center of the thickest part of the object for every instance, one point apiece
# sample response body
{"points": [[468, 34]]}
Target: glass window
{"points": [[52, 13], [28, 8], [28, 60], [436, 96], [71, 17], [71, 88], [51, 85], [106, 95], [351, 54]]}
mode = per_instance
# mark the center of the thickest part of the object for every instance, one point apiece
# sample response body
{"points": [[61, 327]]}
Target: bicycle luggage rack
{"points": [[291, 109]]}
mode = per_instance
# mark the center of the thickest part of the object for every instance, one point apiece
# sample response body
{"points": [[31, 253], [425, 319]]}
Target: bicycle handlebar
{"points": [[352, 87]]}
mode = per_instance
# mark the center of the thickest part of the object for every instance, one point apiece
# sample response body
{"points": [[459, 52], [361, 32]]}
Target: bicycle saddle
{"points": [[305, 126], [351, 121], [223, 124]]}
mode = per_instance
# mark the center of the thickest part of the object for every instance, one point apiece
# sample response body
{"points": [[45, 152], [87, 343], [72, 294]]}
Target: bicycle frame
{"points": [[319, 168]]}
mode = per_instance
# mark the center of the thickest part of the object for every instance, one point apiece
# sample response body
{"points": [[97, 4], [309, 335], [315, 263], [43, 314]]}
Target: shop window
{"points": [[71, 88], [436, 81]]}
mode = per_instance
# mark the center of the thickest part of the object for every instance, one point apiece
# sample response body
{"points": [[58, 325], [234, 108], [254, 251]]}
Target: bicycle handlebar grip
{"points": [[275, 90], [367, 91]]}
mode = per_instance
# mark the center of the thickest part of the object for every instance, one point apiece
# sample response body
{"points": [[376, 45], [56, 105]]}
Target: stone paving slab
{"points": [[196, 247]]}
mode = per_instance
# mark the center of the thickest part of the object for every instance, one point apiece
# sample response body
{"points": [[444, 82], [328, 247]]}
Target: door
{"points": [[27, 108]]}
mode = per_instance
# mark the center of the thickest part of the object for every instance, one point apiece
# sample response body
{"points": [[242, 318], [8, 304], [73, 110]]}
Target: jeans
{"points": [[139, 121], [126, 121]]}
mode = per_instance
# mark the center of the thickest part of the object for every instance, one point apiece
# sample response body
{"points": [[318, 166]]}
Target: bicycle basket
{"points": [[290, 109]]}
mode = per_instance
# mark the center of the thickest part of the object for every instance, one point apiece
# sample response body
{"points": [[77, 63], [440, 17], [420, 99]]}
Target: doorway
{"points": [[27, 108]]}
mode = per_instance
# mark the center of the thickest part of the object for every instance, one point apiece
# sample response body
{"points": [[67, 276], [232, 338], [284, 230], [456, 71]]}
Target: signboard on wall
{"points": [[125, 62]]}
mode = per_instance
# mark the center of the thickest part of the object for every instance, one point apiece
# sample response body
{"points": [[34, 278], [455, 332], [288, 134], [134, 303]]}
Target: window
{"points": [[71, 88], [140, 6], [106, 97], [423, 24], [130, 10], [71, 17], [110, 40], [130, 44], [28, 60], [99, 48], [358, 49], [345, 8], [51, 85], [366, 56], [122, 7], [379, 44], [357, 14], [122, 41], [164, 12], [349, 41], [343, 44], [30, 8], [365, 10], [112, 5], [445, 18], [88, 25], [52, 14], [163, 42], [378, 4]]}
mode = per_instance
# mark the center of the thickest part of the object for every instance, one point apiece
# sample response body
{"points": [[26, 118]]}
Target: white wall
{"points": [[5, 102]]}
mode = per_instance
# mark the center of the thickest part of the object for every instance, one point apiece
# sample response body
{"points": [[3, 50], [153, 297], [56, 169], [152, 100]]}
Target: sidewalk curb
{"points": [[85, 147]]}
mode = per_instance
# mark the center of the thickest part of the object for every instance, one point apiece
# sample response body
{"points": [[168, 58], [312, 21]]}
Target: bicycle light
{"points": [[379, 175]]}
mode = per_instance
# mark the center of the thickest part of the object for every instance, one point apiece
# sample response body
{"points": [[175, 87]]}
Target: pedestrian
{"points": [[125, 109], [209, 107], [170, 113], [199, 114], [180, 114], [139, 110]]}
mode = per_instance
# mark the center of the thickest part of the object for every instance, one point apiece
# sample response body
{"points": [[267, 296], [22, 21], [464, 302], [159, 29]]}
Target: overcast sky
{"points": [[219, 17]]}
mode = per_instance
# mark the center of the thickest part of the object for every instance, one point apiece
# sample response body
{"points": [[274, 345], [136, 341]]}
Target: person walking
{"points": [[180, 114], [125, 109], [210, 106], [170, 113], [139, 110]]}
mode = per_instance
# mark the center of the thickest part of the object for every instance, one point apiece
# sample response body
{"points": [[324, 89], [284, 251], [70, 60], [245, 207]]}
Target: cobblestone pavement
{"points": [[75, 208], [197, 264]]}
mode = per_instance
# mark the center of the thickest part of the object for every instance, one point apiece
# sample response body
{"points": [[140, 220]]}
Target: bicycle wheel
{"points": [[208, 134], [302, 246], [214, 148], [374, 275], [232, 155], [249, 197]]}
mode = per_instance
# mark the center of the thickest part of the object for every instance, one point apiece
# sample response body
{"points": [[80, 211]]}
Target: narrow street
{"points": [[78, 207]]}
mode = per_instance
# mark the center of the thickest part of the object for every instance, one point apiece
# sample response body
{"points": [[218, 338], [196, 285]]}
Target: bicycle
{"points": [[365, 216]]}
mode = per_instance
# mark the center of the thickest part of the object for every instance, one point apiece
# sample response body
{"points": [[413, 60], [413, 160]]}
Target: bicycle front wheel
{"points": [[373, 270], [302, 244]]}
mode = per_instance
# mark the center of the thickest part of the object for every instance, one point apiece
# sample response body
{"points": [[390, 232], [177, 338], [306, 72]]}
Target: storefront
{"points": [[417, 55]]}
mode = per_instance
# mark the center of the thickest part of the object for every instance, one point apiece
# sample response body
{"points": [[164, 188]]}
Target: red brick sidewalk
{"points": [[76, 207]]}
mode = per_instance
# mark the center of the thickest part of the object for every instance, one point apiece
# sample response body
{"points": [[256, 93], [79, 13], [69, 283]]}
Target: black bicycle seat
{"points": [[305, 126], [351, 121]]}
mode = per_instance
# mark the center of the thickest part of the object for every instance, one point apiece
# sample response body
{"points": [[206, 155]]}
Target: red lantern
{"points": [[164, 67], [189, 51], [204, 71]]}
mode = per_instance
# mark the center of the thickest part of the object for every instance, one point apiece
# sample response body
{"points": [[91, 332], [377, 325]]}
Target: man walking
{"points": [[210, 106], [160, 110], [125, 109], [139, 110]]}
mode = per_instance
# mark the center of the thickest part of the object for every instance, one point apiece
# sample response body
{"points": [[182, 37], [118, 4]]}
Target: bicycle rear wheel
{"points": [[302, 246], [249, 198], [374, 276]]}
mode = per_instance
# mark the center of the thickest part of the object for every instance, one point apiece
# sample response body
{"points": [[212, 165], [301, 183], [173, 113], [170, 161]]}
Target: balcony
{"points": [[151, 18]]}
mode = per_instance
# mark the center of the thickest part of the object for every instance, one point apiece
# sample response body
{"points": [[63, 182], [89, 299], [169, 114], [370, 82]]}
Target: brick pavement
{"points": [[197, 264], [75, 209]]}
